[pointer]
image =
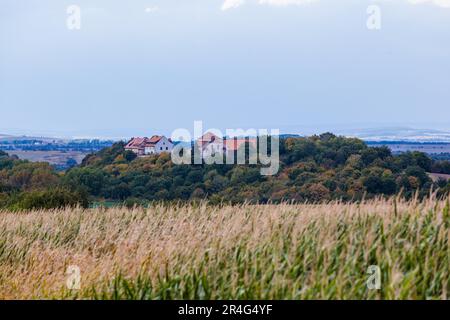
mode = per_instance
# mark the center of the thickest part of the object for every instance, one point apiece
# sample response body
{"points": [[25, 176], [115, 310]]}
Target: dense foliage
{"points": [[316, 168], [25, 185]]}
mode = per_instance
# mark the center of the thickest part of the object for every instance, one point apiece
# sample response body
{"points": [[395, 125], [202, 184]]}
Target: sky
{"points": [[151, 66]]}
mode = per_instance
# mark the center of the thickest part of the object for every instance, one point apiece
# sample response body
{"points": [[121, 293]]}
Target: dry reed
{"points": [[283, 251]]}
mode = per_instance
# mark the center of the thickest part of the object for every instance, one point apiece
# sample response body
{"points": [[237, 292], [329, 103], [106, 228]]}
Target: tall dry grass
{"points": [[234, 252]]}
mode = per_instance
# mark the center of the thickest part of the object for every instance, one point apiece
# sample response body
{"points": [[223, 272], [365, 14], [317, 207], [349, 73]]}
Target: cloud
{"points": [[285, 2], [151, 9], [440, 3], [231, 4]]}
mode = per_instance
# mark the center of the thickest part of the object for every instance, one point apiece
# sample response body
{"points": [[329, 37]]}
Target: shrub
{"points": [[48, 199]]}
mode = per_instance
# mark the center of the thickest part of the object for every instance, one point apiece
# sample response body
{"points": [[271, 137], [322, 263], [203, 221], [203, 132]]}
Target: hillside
{"points": [[312, 169]]}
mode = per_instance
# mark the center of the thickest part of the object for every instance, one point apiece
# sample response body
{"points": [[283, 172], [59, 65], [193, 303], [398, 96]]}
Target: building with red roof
{"points": [[148, 146], [211, 144]]}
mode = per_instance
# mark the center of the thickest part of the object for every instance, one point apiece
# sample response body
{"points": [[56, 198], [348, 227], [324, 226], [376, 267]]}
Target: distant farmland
{"points": [[398, 147], [57, 152], [58, 158]]}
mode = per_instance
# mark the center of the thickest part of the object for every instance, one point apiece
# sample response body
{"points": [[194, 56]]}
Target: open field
{"points": [[439, 176], [52, 157], [239, 252], [430, 148]]}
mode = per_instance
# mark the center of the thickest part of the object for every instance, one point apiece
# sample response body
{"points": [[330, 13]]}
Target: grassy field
{"points": [[231, 252]]}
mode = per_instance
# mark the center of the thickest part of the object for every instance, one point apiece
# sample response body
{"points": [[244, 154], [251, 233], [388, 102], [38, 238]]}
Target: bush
{"points": [[48, 199], [4, 198], [133, 202]]}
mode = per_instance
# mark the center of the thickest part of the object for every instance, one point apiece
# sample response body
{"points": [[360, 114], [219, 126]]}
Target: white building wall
{"points": [[150, 150], [163, 145]]}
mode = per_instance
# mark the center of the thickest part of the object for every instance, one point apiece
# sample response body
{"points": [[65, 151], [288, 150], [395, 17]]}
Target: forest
{"points": [[313, 169]]}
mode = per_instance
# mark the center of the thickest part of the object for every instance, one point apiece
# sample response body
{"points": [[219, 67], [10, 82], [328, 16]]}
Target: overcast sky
{"points": [[145, 66]]}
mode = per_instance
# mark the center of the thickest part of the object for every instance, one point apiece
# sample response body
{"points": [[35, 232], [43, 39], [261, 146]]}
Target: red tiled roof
{"points": [[208, 138], [154, 139], [139, 143], [136, 143], [231, 144], [235, 144]]}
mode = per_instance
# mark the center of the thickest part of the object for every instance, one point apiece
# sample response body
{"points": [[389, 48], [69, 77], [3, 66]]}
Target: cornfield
{"points": [[198, 251]]}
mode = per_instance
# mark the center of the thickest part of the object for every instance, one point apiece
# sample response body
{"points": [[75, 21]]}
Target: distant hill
{"points": [[404, 134], [288, 135], [317, 168], [10, 138]]}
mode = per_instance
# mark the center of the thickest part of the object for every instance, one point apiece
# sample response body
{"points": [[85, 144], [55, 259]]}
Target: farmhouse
{"points": [[211, 144], [148, 146], [235, 144]]}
